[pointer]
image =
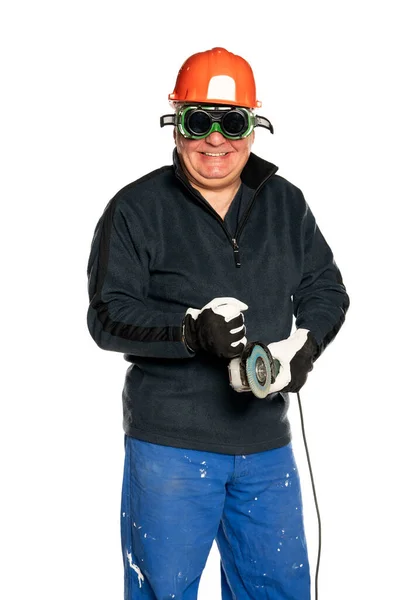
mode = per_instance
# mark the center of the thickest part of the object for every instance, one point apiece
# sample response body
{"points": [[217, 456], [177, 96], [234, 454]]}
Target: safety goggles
{"points": [[198, 122]]}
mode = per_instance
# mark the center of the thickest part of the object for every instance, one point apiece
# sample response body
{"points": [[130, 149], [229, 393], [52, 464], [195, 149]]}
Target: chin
{"points": [[224, 169]]}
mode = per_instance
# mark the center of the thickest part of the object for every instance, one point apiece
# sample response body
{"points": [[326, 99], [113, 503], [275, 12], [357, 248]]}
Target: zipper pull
{"points": [[236, 253]]}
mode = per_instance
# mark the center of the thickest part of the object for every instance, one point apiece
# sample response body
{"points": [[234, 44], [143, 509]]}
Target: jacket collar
{"points": [[256, 171]]}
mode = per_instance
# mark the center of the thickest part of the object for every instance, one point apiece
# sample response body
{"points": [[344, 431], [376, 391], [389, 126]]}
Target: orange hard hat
{"points": [[217, 77]]}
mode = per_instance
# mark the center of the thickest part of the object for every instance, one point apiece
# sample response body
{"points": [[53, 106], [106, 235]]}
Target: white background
{"points": [[83, 86]]}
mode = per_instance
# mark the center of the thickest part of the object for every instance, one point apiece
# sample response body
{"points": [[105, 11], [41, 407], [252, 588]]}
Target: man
{"points": [[187, 264]]}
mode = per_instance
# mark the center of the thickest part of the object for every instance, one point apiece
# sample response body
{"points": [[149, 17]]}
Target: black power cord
{"points": [[315, 496]]}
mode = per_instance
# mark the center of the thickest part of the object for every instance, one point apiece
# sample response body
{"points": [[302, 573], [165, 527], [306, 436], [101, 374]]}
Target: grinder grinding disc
{"points": [[259, 366]]}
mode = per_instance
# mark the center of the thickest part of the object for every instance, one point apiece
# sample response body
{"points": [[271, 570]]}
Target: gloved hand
{"points": [[218, 328], [296, 356]]}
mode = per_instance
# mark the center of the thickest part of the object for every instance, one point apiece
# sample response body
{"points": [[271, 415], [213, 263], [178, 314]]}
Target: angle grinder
{"points": [[254, 371]]}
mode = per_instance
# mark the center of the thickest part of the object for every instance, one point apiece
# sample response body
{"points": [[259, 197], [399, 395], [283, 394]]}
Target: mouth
{"points": [[214, 154]]}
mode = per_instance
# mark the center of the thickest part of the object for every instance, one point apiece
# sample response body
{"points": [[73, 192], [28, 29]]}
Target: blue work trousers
{"points": [[176, 502]]}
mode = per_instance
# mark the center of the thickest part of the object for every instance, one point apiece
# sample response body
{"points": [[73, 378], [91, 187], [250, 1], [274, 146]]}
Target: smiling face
{"points": [[214, 162]]}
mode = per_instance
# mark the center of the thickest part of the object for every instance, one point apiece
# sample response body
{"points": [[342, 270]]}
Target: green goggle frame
{"points": [[196, 122]]}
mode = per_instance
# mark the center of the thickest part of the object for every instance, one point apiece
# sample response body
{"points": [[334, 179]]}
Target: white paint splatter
{"points": [[203, 472], [287, 475], [123, 514], [243, 456], [135, 568], [204, 462], [188, 458], [286, 483], [295, 566], [146, 535], [256, 498]]}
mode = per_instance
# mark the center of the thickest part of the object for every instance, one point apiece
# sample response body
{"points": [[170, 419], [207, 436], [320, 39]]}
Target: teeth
{"points": [[216, 154]]}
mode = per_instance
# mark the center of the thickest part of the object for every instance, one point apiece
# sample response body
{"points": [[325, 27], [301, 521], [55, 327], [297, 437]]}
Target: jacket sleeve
{"points": [[118, 318], [320, 301]]}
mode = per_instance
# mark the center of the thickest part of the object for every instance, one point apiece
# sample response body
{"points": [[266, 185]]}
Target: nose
{"points": [[215, 138]]}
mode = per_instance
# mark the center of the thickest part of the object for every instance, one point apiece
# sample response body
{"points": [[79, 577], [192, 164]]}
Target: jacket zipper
{"points": [[233, 241], [212, 212], [247, 213], [236, 254], [245, 219]]}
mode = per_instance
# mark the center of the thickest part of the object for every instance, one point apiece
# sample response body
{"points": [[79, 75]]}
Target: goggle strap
{"points": [[167, 120], [263, 122]]}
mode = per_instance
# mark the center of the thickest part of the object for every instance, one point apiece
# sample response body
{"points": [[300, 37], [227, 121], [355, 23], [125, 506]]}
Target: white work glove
{"points": [[218, 328], [295, 355]]}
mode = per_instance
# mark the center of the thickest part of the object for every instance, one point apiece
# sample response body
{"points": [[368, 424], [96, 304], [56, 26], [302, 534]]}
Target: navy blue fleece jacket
{"points": [[158, 249]]}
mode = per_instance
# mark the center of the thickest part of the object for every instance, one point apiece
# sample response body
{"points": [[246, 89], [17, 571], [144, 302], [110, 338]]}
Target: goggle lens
{"points": [[198, 122], [234, 123]]}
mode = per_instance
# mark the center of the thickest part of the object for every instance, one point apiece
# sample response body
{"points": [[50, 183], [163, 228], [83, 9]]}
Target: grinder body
{"points": [[254, 371]]}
